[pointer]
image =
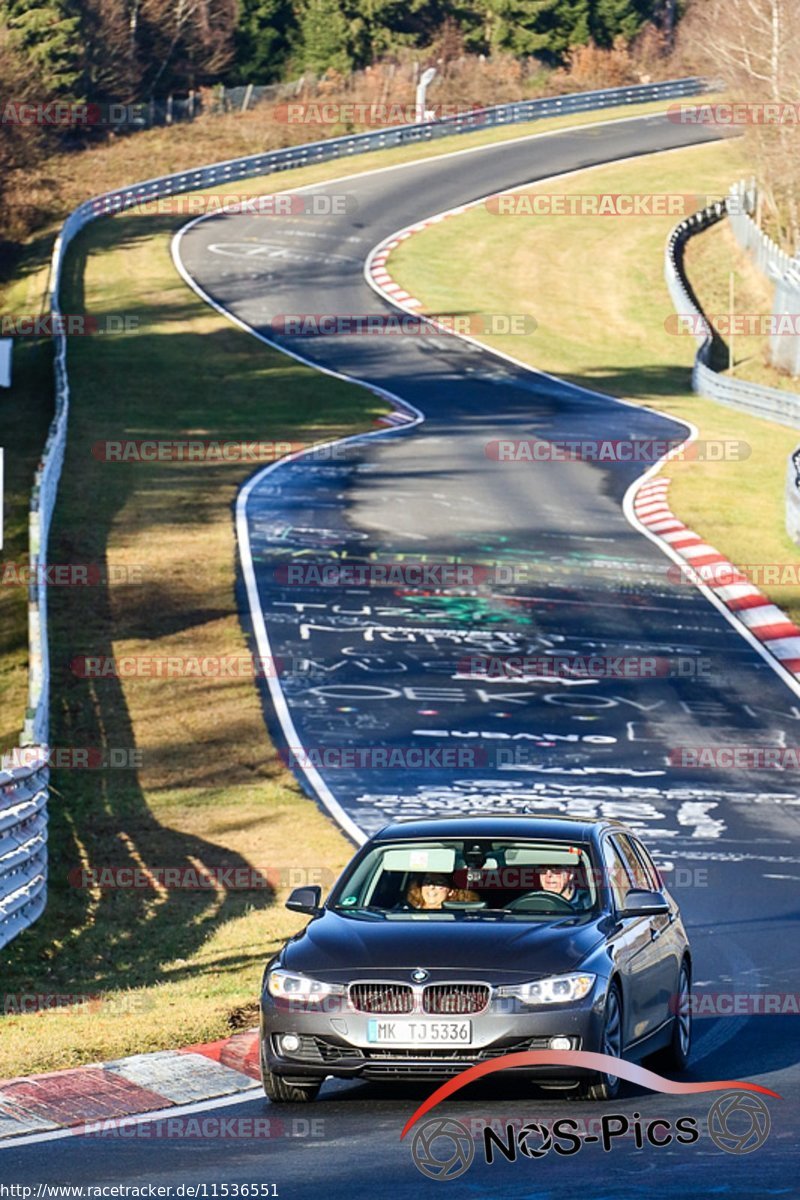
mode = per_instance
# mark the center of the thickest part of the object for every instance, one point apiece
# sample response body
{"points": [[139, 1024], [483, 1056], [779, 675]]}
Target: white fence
{"points": [[771, 403], [36, 729], [780, 268]]}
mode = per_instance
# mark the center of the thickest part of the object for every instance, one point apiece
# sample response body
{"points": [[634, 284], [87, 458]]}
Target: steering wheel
{"points": [[552, 902]]}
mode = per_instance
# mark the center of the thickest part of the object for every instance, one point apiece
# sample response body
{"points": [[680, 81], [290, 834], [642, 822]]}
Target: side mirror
{"points": [[306, 900], [642, 903]]}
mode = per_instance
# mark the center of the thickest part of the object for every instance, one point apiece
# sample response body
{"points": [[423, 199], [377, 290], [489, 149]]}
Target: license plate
{"points": [[389, 1032]]}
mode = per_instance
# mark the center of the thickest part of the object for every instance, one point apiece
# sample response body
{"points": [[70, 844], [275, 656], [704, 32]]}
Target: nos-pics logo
{"points": [[444, 1149]]}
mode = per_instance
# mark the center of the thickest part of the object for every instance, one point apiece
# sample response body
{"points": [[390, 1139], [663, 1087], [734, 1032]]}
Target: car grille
{"points": [[382, 997], [448, 998]]}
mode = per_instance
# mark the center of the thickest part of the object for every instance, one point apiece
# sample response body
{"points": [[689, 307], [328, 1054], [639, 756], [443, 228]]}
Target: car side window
{"points": [[656, 883], [616, 874], [638, 875]]}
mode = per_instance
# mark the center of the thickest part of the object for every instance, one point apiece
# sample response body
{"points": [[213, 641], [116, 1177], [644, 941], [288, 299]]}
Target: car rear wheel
{"points": [[281, 1091], [675, 1056], [607, 1087]]}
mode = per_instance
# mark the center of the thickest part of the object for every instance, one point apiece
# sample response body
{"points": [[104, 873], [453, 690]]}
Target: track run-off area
{"points": [[366, 673]]}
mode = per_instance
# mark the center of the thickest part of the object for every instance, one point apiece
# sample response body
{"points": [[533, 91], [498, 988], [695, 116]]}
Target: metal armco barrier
{"points": [[23, 844], [30, 857], [770, 403]]}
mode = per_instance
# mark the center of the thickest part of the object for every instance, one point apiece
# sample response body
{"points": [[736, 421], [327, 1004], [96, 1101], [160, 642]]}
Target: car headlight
{"points": [[556, 989], [285, 985]]}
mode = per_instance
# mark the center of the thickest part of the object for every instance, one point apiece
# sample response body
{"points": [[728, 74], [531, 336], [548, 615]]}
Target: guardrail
{"points": [[36, 728], [771, 403], [23, 844]]}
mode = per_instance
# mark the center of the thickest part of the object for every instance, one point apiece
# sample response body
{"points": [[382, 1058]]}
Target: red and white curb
{"points": [[128, 1086], [377, 272], [703, 564]]}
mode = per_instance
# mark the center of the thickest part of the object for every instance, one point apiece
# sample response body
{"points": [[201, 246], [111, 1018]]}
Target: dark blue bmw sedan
{"points": [[451, 940]]}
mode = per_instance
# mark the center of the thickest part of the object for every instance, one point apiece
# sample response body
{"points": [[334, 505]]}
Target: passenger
{"points": [[431, 891]]}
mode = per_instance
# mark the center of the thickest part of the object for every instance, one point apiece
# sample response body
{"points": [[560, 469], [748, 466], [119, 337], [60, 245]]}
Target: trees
{"points": [[754, 45], [47, 33], [181, 44], [262, 41]]}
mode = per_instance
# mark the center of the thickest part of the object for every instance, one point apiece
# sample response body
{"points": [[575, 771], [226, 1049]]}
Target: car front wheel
{"points": [[675, 1056], [607, 1087], [281, 1091]]}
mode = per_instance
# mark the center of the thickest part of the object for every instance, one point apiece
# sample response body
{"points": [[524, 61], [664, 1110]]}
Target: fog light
{"points": [[290, 1043], [560, 1043]]}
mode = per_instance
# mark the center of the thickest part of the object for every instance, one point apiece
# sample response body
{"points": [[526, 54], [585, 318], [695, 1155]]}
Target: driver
{"points": [[563, 880]]}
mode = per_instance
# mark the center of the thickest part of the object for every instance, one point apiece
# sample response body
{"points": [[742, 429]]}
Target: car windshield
{"points": [[458, 879]]}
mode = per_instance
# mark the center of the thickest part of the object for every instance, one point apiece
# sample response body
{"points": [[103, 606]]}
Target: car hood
{"points": [[336, 946]]}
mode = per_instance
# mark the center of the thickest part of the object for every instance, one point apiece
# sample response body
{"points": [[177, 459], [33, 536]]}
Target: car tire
{"points": [[607, 1087], [281, 1091], [675, 1056]]}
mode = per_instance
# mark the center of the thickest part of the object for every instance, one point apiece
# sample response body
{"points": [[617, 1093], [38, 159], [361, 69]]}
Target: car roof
{"points": [[498, 825]]}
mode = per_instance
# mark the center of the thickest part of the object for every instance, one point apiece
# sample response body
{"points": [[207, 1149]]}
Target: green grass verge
{"points": [[595, 287], [160, 967]]}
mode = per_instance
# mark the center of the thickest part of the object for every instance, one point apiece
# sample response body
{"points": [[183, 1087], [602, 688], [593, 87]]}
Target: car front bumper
{"points": [[338, 1043]]}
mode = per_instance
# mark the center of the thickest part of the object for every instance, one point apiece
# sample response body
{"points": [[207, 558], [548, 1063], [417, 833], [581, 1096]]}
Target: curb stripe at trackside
{"points": [[128, 1087], [751, 608], [644, 505]]}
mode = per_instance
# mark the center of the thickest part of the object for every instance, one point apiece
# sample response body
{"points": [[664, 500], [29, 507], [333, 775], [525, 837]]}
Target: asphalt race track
{"points": [[561, 571]]}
